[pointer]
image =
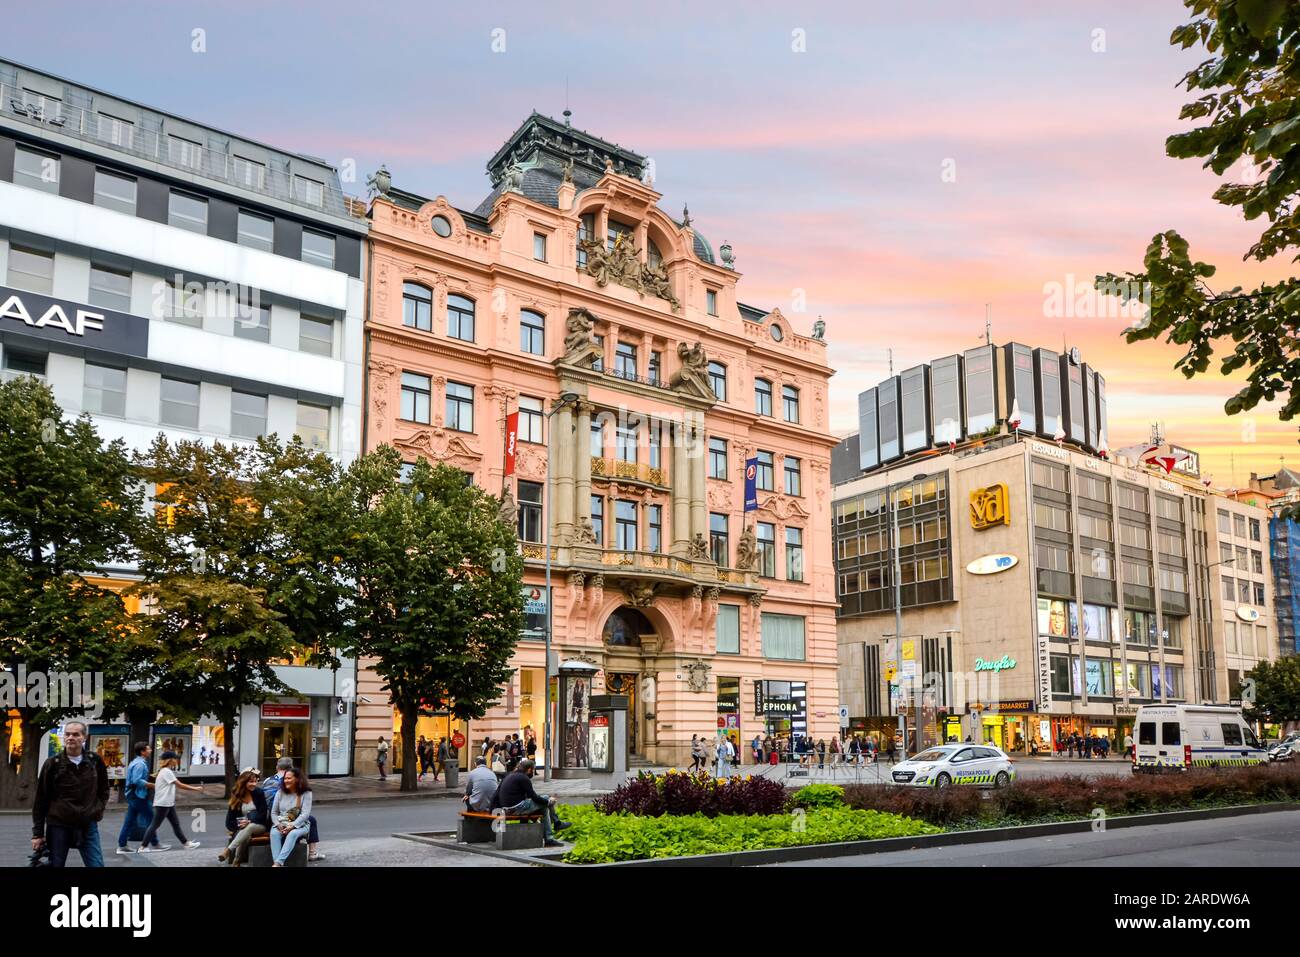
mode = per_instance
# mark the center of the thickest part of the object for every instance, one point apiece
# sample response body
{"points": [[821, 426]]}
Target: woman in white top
{"points": [[164, 804], [289, 815]]}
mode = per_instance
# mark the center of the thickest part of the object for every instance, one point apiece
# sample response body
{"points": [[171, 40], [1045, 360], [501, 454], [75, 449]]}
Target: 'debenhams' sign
{"points": [[58, 320]]}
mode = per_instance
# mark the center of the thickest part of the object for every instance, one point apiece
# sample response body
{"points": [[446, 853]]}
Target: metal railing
{"points": [[617, 469], [171, 151]]}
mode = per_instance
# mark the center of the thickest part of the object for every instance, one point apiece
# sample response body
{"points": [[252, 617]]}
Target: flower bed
{"points": [[679, 793], [603, 838], [1037, 800]]}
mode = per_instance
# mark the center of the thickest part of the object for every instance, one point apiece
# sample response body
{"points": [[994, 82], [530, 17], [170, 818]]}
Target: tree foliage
{"points": [[1277, 690], [1248, 95], [437, 601], [68, 504]]}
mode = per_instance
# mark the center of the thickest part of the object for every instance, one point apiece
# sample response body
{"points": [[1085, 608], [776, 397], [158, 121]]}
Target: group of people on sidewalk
{"points": [[1091, 745], [513, 794], [72, 793]]}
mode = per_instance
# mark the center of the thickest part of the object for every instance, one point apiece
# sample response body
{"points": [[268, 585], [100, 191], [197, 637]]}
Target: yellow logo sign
{"points": [[988, 507]]}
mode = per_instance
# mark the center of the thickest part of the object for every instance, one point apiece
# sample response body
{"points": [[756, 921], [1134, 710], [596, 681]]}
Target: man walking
{"points": [[381, 758], [443, 755], [139, 810], [71, 792]]}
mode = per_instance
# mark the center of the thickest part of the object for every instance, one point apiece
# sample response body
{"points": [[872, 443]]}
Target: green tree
{"points": [[438, 589], [1249, 96], [69, 504], [1276, 690], [207, 559]]}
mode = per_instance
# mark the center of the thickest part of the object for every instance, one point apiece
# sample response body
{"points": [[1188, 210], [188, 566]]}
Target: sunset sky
{"points": [[825, 169]]}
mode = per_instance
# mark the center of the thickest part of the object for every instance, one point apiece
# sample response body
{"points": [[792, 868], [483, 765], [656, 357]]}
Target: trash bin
{"points": [[451, 770]]}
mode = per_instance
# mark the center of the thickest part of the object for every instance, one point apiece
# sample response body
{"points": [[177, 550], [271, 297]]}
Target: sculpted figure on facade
{"points": [[698, 548], [747, 549], [577, 334], [584, 533], [640, 594], [508, 513], [694, 370], [654, 280]]}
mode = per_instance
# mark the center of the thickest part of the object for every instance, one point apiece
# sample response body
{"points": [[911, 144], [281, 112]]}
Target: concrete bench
{"points": [[516, 832], [259, 852]]}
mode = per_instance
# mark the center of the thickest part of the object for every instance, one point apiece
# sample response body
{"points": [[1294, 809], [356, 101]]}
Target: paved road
{"points": [[1257, 840]]}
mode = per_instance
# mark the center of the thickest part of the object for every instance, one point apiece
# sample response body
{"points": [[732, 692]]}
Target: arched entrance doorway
{"points": [[627, 633]]}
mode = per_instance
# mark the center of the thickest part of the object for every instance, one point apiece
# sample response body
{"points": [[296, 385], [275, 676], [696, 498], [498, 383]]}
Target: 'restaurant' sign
{"points": [[58, 320]]}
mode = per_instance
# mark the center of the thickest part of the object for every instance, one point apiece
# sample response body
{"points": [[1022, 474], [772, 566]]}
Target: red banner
{"points": [[512, 441]]}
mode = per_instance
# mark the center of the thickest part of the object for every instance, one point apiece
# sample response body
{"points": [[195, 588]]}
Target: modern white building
{"points": [[166, 276]]}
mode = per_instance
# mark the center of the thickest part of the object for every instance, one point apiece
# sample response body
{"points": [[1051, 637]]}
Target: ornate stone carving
{"points": [[698, 548], [579, 345], [508, 513], [654, 279], [819, 330], [640, 594], [584, 533], [747, 549], [514, 179], [694, 372], [623, 265], [597, 589], [720, 497], [576, 593], [755, 599], [697, 676], [439, 446]]}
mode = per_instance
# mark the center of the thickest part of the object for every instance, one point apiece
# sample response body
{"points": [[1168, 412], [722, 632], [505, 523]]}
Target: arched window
{"points": [[417, 306], [762, 397], [626, 626], [718, 379], [532, 332], [460, 318], [654, 259]]}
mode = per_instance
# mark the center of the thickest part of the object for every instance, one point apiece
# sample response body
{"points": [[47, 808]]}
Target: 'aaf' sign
{"points": [[988, 507], [59, 320]]}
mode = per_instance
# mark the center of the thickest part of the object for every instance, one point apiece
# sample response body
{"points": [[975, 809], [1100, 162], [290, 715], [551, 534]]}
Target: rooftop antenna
{"points": [[988, 323], [567, 112], [891, 363]]}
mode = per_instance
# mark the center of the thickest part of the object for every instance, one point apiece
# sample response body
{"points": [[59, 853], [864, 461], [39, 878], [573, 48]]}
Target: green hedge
{"points": [[605, 838]]}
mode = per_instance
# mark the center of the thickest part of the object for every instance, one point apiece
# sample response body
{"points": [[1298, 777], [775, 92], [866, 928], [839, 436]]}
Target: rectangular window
{"points": [[656, 368], [247, 415], [1256, 561], [1225, 523], [110, 288], [532, 333], [314, 426], [782, 636], [728, 630], [530, 511], [116, 131], [1239, 526], [1258, 588], [114, 191], [253, 320], [531, 418], [656, 454], [317, 248], [711, 301], [793, 476], [1231, 734], [625, 525], [1051, 517], [598, 519], [31, 270], [1094, 526], [460, 407], [1243, 592], [718, 380], [625, 444], [36, 170], [718, 458], [539, 247], [315, 336], [762, 397], [256, 231], [1254, 529], [416, 395], [183, 303], [586, 231], [766, 536], [188, 212], [625, 360], [105, 390], [765, 477], [790, 403], [180, 404], [1050, 476], [655, 528], [309, 191], [417, 306], [460, 318], [597, 440], [719, 542], [794, 554], [183, 152], [1060, 665], [248, 172]]}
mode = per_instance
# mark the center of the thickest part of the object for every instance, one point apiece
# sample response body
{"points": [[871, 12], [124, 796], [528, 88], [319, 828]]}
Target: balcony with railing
{"points": [[654, 566], [632, 471], [175, 152]]}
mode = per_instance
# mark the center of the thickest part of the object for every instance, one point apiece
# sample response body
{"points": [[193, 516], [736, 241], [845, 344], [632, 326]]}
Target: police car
{"points": [[980, 764]]}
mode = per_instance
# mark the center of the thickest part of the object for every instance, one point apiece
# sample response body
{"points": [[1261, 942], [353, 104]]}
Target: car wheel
{"points": [[1002, 780], [942, 781]]}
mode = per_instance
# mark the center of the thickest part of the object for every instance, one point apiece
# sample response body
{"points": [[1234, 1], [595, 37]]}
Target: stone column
{"points": [[582, 463], [696, 463], [681, 492], [561, 426]]}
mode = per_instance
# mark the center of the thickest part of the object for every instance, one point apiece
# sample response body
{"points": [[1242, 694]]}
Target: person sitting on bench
{"points": [[516, 796], [480, 788]]}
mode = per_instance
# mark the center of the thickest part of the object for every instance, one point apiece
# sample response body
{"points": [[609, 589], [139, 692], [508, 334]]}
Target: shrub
{"points": [[818, 795], [1066, 798], [600, 838], [678, 793]]}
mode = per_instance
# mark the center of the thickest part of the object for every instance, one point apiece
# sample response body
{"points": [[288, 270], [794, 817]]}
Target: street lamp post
{"points": [[568, 398]]}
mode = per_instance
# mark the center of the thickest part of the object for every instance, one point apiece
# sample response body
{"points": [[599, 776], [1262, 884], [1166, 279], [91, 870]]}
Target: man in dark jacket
{"points": [[71, 792], [515, 795]]}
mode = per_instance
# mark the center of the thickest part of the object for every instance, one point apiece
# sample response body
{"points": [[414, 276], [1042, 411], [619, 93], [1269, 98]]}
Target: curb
{"points": [[810, 852]]}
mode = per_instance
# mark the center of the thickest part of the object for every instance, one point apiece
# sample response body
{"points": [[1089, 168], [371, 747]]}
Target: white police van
{"points": [[1177, 737]]}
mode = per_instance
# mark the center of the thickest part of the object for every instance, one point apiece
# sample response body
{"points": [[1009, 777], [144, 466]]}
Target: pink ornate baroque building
{"points": [[569, 296]]}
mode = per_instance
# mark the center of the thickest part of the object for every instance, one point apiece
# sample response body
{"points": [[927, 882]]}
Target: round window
{"points": [[441, 226], [777, 334]]}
